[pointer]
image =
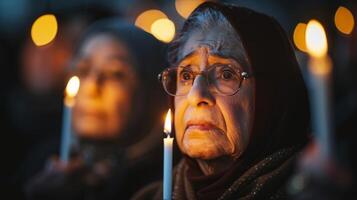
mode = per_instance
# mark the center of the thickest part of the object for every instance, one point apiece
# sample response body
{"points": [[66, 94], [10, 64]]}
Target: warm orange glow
{"points": [[167, 127], [185, 7], [320, 66], [147, 18], [299, 36], [344, 20], [163, 29], [316, 41], [72, 87], [44, 29]]}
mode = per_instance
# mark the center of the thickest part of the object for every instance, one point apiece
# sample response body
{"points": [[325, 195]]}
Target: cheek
{"points": [[180, 108], [236, 112], [229, 110], [117, 102]]}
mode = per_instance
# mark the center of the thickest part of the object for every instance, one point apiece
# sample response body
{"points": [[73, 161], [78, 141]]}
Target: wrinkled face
{"points": [[209, 125], [108, 82]]}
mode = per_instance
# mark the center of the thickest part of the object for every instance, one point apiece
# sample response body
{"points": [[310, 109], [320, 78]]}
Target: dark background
{"points": [[17, 16]]}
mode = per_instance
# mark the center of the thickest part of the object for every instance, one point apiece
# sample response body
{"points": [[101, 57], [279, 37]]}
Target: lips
{"points": [[85, 112], [201, 125]]}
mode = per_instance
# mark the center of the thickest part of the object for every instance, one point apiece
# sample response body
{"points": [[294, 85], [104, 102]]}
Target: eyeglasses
{"points": [[223, 79]]}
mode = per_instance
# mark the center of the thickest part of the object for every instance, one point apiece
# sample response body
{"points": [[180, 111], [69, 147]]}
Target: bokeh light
{"points": [[44, 29], [299, 36], [344, 20], [163, 29], [147, 18], [185, 7]]}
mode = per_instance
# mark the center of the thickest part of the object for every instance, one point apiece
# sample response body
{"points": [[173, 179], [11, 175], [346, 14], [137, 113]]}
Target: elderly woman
{"points": [[117, 118], [241, 107]]}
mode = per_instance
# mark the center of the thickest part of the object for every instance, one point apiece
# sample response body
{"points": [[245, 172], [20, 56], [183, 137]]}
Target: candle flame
{"points": [[316, 41], [167, 127], [72, 87]]}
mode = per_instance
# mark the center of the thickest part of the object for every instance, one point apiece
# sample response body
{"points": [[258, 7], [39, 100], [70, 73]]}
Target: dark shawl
{"points": [[280, 126]]}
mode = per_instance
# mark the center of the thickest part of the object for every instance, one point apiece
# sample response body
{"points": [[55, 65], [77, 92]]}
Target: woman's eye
{"points": [[113, 75], [118, 75], [186, 76], [227, 75]]}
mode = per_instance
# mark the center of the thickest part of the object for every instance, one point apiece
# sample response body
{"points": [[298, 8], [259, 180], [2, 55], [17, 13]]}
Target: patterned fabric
{"points": [[263, 180]]}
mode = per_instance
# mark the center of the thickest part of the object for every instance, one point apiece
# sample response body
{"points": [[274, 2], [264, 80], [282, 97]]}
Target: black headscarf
{"points": [[281, 115], [147, 56]]}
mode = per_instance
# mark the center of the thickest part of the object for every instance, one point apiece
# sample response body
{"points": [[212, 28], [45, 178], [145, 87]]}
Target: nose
{"points": [[200, 95]]}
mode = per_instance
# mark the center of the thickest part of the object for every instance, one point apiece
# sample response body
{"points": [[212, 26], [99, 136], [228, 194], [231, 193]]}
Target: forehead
{"points": [[220, 40], [215, 43], [103, 45], [103, 52]]}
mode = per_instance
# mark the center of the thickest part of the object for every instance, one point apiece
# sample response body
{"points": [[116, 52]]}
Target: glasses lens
{"points": [[185, 77], [168, 78], [226, 79], [177, 81]]}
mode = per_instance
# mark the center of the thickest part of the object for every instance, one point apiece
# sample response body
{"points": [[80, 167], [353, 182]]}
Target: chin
{"points": [[93, 128], [202, 151], [89, 133], [89, 130], [204, 155], [202, 145]]}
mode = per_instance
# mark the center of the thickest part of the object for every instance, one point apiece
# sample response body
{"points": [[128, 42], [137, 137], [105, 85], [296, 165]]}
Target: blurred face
{"points": [[209, 125], [108, 82]]}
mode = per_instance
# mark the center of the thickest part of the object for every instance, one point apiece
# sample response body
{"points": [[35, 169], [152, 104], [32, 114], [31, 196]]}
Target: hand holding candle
{"points": [[167, 183], [71, 91], [320, 69]]}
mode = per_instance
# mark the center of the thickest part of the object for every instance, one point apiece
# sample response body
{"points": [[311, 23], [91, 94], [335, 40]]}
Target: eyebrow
{"points": [[212, 52]]}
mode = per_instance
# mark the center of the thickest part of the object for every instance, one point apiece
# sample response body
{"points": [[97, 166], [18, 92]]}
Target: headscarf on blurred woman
{"points": [[117, 117]]}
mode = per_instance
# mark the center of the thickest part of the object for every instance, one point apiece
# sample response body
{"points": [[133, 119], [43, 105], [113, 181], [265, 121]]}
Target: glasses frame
{"points": [[245, 75]]}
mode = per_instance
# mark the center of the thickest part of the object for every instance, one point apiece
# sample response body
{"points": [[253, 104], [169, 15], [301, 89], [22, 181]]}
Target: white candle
{"points": [[319, 80], [168, 142], [71, 91]]}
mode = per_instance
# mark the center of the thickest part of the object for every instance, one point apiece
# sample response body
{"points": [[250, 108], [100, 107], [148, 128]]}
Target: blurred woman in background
{"points": [[117, 118]]}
